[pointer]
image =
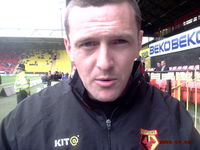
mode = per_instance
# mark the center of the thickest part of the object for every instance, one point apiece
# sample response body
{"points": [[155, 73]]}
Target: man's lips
{"points": [[106, 82]]}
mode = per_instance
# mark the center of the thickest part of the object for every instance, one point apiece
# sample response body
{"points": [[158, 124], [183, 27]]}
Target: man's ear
{"points": [[68, 48], [140, 36], [139, 42]]}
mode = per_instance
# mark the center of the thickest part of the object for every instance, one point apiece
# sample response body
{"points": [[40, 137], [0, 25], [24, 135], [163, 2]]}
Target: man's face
{"points": [[103, 43], [162, 63]]}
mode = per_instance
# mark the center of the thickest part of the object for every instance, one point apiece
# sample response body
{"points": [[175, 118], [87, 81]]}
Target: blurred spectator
{"points": [[142, 68], [50, 78], [65, 76], [164, 66], [46, 79], [158, 66]]}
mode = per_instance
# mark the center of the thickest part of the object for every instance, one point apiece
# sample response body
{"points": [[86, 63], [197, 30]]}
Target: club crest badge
{"points": [[149, 140]]}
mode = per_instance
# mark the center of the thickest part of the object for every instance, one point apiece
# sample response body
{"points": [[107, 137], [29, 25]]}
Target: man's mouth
{"points": [[106, 82]]}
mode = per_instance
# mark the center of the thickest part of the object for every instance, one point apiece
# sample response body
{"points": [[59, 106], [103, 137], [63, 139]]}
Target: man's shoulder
{"points": [[160, 99], [49, 96], [39, 106], [169, 106]]}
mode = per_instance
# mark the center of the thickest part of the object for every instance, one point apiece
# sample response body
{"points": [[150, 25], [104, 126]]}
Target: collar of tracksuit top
{"points": [[135, 80]]}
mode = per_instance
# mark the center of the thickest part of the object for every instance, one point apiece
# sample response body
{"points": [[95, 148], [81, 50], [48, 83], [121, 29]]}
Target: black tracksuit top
{"points": [[58, 118]]}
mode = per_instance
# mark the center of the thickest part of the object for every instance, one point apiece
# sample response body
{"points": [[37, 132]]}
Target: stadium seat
{"points": [[197, 67], [173, 91], [185, 67], [193, 91], [179, 68], [153, 82], [174, 68], [161, 84], [191, 67], [184, 92]]}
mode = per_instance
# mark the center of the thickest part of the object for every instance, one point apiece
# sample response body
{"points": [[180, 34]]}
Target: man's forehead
{"points": [[81, 12], [104, 15]]}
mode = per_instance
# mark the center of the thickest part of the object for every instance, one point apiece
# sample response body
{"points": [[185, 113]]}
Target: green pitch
{"points": [[11, 79], [7, 104]]}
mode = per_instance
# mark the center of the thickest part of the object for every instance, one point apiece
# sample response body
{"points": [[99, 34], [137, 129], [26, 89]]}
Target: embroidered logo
{"points": [[73, 141], [148, 139]]}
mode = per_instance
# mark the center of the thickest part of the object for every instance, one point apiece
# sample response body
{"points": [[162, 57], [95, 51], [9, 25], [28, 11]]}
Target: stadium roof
{"points": [[157, 13], [30, 43]]}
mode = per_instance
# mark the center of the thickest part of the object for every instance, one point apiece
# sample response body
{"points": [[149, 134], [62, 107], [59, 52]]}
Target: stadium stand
{"points": [[8, 61], [62, 62], [40, 61]]}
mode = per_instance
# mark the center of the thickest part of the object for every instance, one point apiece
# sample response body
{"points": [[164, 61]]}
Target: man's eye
{"points": [[119, 41], [88, 44]]}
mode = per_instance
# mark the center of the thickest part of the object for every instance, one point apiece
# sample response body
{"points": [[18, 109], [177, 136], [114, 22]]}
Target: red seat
{"points": [[153, 82], [162, 84], [192, 87], [184, 92]]}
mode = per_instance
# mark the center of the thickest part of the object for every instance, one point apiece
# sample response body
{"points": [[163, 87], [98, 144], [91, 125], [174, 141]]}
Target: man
{"points": [[164, 66], [107, 105], [46, 79], [158, 66], [22, 84]]}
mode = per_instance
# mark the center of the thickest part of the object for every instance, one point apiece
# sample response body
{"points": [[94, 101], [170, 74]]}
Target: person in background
{"points": [[50, 77], [65, 76], [46, 79], [164, 66], [107, 105], [143, 69], [158, 66], [22, 84]]}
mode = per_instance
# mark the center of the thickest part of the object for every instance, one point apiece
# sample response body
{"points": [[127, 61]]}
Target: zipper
{"points": [[109, 126]]}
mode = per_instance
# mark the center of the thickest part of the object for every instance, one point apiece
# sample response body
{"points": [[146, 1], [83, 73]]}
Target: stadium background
{"points": [[43, 50]]}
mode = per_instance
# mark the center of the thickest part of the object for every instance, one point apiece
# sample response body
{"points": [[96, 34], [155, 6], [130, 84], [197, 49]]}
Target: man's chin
{"points": [[104, 95], [106, 98]]}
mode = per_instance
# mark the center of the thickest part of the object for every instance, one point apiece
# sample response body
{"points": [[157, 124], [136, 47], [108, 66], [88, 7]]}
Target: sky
{"points": [[32, 18], [30, 14]]}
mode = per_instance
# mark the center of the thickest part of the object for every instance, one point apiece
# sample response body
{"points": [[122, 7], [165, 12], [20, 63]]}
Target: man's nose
{"points": [[104, 58]]}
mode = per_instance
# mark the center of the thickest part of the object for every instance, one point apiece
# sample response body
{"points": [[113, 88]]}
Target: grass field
{"points": [[7, 104], [6, 80]]}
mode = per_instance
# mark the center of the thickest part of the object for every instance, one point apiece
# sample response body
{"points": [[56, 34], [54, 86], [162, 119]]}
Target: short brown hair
{"points": [[86, 3]]}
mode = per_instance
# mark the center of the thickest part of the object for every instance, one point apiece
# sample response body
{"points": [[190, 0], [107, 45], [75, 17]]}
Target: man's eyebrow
{"points": [[127, 36], [84, 39], [110, 36]]}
